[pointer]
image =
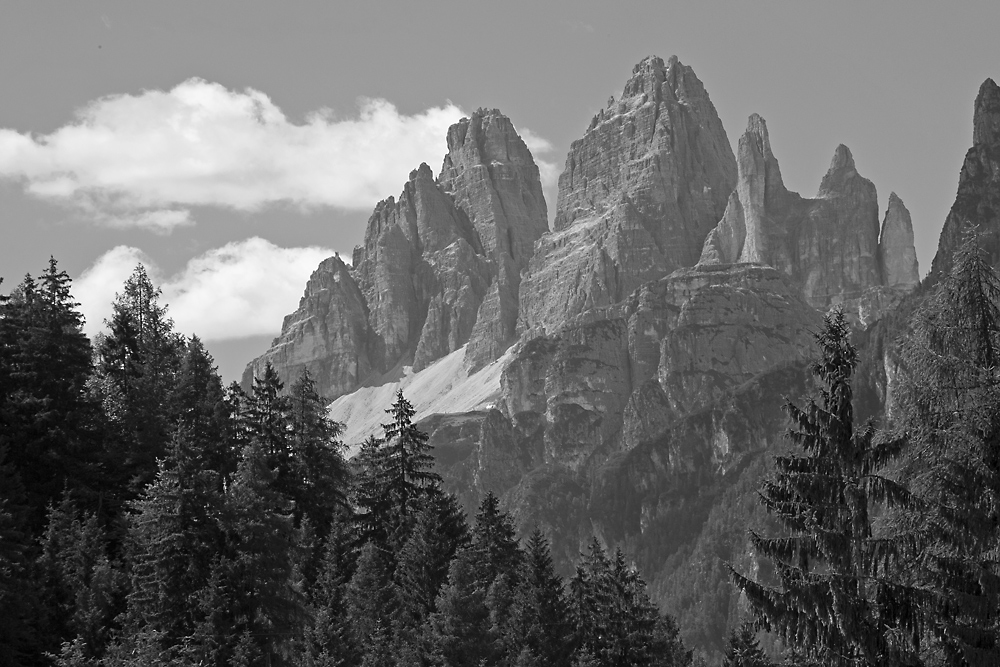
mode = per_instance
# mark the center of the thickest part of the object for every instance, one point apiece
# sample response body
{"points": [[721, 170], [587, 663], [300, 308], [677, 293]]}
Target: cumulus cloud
{"points": [[242, 289], [142, 160], [548, 171]]}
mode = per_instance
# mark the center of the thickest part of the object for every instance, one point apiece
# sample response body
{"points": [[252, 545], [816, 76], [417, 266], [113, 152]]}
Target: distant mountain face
{"points": [[978, 198], [622, 374], [440, 268]]}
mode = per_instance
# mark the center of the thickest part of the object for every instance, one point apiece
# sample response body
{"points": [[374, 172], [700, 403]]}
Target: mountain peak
{"points": [[842, 170], [986, 118]]}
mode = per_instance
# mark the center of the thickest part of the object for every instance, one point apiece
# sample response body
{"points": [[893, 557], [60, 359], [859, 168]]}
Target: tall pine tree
{"points": [[839, 597], [949, 402]]}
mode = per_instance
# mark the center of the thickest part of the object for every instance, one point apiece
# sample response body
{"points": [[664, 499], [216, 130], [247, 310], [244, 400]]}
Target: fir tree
{"points": [[743, 649], [461, 631], [615, 621], [81, 584], [540, 621], [328, 639], [138, 361], [320, 472], [175, 536], [252, 601], [197, 404], [50, 426], [372, 601], [949, 403], [839, 598]]}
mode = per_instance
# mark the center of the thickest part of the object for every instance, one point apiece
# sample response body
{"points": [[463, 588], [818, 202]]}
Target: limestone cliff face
{"points": [[896, 253], [494, 180], [440, 265], [640, 191], [619, 376], [828, 245], [978, 200], [423, 274], [328, 333]]}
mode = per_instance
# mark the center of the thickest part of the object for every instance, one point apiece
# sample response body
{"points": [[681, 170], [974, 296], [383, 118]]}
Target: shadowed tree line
{"points": [[151, 516]]}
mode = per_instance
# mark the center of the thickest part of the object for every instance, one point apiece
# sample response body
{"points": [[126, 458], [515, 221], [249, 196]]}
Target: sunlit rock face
{"points": [[830, 246], [328, 333], [439, 268], [640, 191]]}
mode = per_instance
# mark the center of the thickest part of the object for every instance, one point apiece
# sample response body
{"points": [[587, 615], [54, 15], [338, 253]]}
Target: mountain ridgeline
{"points": [[622, 374]]}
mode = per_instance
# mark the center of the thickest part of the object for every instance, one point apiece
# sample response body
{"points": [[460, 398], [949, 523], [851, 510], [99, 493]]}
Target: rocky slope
{"points": [[439, 265]]}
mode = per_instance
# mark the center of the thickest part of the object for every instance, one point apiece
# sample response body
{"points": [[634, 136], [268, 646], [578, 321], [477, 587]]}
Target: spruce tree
{"points": [[743, 649], [328, 638], [51, 427], [175, 536], [460, 630], [138, 361], [840, 596], [197, 404], [948, 400], [539, 622], [252, 602], [320, 473]]}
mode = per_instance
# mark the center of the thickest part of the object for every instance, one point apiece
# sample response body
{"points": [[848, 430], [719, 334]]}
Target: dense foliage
{"points": [[151, 516]]}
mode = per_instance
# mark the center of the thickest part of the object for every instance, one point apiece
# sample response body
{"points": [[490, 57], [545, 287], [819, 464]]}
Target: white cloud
{"points": [[141, 160], [242, 289], [548, 171]]}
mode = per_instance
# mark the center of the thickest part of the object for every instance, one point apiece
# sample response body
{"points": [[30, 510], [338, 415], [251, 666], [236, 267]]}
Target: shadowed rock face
{"points": [[977, 203], [829, 245], [439, 266], [328, 333], [639, 193]]}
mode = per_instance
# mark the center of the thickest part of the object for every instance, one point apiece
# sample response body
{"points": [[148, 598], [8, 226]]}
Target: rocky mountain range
{"points": [[621, 374]]}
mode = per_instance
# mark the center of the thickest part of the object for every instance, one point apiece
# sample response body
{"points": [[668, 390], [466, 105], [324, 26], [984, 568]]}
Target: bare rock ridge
{"points": [[977, 202], [439, 263], [639, 192], [897, 255], [328, 333], [830, 245]]}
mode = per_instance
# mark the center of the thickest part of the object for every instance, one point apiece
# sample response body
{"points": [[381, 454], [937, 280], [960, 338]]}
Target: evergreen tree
{"points": [[840, 598], [197, 404], [51, 428], [540, 621], [494, 544], [20, 643], [949, 403], [328, 639], [372, 601], [615, 621], [394, 478], [743, 649], [252, 604], [138, 361], [460, 630], [318, 468], [422, 569], [174, 536], [81, 584]]}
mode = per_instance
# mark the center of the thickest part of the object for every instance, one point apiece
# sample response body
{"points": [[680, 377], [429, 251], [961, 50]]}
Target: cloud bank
{"points": [[242, 289], [143, 160]]}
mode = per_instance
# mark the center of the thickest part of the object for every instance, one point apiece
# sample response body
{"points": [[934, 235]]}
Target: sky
{"points": [[230, 146]]}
